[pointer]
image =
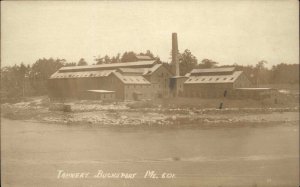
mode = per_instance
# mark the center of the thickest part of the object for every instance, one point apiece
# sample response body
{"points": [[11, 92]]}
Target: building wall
{"points": [[143, 89], [177, 86], [242, 82], [72, 87], [207, 90], [126, 91], [214, 90], [161, 77], [97, 96], [115, 84]]}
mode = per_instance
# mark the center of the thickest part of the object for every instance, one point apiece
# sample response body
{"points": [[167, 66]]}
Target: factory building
{"points": [[124, 81], [214, 82], [145, 78]]}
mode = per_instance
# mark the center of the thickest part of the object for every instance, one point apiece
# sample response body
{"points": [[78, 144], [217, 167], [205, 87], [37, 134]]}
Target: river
{"points": [[33, 153]]}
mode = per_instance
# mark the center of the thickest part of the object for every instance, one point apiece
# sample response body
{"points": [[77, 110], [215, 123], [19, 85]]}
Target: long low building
{"points": [[128, 81], [214, 82]]}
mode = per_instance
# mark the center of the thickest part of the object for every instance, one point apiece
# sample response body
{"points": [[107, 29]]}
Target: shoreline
{"points": [[120, 115]]}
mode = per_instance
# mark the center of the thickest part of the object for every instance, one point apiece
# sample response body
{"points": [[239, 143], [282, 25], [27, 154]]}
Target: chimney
{"points": [[175, 53]]}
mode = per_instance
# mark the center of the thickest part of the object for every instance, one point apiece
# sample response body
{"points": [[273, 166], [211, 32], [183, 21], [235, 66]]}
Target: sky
{"points": [[242, 32]]}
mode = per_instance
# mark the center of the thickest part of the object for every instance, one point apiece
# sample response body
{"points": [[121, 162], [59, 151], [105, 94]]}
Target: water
{"points": [[32, 154]]}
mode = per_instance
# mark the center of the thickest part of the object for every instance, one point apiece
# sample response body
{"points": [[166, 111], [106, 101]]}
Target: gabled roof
{"points": [[212, 71], [155, 68], [129, 79], [138, 64], [207, 79], [81, 74], [140, 71], [151, 70], [143, 57], [132, 70]]}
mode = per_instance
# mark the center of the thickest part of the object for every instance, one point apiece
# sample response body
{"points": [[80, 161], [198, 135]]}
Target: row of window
{"points": [[137, 86], [147, 86], [210, 79]]}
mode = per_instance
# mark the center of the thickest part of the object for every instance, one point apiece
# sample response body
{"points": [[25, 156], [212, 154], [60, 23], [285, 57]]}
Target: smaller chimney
{"points": [[175, 53]]}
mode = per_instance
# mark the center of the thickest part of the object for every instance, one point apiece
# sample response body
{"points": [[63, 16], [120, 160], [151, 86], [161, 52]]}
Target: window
{"points": [[224, 78], [217, 79], [203, 79]]}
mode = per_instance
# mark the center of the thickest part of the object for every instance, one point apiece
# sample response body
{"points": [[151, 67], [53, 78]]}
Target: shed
{"points": [[98, 95], [253, 93]]}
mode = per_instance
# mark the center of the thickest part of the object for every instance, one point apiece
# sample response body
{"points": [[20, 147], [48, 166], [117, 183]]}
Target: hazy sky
{"points": [[228, 32]]}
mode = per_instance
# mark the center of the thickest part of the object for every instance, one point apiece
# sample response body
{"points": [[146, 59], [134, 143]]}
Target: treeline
{"points": [[21, 80], [129, 56], [258, 74]]}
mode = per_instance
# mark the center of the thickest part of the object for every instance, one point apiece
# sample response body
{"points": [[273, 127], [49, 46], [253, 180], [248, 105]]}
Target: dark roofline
{"points": [[109, 66], [162, 65], [213, 70], [143, 57]]}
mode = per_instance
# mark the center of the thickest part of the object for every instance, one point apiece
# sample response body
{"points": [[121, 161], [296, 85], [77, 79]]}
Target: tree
{"points": [[157, 59], [148, 53], [82, 62], [12, 80], [128, 57], [261, 72], [207, 63], [99, 60], [187, 62], [116, 59], [41, 70], [70, 64], [107, 59], [285, 73]]}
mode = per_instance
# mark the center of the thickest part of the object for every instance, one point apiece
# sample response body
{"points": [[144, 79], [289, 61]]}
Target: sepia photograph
{"points": [[150, 93]]}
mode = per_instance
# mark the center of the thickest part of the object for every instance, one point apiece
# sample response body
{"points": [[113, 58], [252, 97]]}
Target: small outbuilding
{"points": [[98, 95], [254, 93]]}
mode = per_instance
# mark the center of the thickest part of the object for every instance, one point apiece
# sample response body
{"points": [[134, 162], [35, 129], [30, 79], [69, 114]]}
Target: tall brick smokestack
{"points": [[175, 53]]}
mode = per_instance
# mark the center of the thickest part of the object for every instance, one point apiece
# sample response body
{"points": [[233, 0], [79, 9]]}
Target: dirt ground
{"points": [[179, 112]]}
